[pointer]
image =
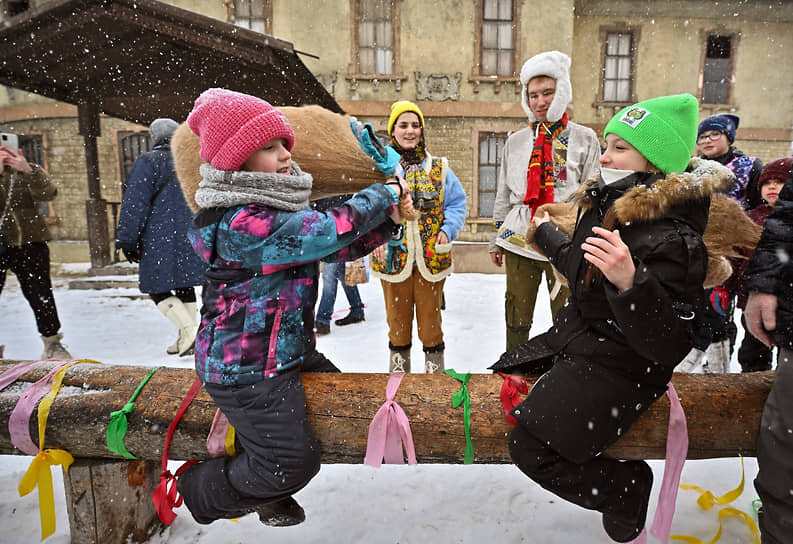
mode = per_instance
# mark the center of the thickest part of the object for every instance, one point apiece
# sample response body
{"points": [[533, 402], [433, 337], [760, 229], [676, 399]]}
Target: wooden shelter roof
{"points": [[143, 59]]}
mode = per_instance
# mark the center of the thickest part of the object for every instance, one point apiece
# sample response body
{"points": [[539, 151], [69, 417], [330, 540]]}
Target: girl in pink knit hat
{"points": [[262, 244]]}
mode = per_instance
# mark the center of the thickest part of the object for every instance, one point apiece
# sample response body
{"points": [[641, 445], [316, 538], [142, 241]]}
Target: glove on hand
{"points": [[385, 157], [720, 300], [132, 255]]}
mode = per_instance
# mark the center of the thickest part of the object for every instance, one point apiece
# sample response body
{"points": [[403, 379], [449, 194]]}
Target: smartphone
{"points": [[11, 141]]}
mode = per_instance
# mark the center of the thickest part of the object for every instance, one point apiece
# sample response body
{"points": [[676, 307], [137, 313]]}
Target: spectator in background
{"points": [[544, 162], [23, 243], [332, 275], [413, 268], [716, 331], [152, 231], [754, 355]]}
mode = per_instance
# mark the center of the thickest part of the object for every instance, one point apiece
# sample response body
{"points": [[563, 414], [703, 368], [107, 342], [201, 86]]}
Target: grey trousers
{"points": [[774, 482]]}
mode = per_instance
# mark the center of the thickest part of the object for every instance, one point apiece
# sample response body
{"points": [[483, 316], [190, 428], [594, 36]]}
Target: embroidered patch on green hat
{"points": [[633, 116]]}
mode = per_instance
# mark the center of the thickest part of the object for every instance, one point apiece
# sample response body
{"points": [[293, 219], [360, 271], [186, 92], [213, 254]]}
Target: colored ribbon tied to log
{"points": [[464, 397], [38, 473], [166, 497], [117, 428], [389, 431], [511, 390], [220, 441], [676, 452]]}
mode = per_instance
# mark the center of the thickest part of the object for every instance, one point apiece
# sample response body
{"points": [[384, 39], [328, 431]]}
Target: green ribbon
{"points": [[117, 428], [464, 397]]}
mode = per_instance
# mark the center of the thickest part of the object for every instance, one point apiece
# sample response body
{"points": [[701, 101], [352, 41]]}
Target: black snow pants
{"points": [[31, 264], [280, 455]]}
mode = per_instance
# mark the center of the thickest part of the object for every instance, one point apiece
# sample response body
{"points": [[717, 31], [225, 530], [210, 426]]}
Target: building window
{"points": [[497, 24], [617, 85], [491, 144], [131, 145], [717, 69], [375, 37], [253, 14], [498, 51], [618, 67]]}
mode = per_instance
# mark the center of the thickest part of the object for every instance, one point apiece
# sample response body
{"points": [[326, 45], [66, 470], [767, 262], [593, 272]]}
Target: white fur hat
{"points": [[556, 65]]}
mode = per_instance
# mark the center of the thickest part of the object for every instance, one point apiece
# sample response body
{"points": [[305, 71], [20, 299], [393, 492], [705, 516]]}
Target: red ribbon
{"points": [[166, 497], [510, 389]]}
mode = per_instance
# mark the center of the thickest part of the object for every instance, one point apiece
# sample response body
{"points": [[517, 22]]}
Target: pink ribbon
{"points": [[389, 431], [12, 374], [216, 441], [676, 451], [19, 421]]}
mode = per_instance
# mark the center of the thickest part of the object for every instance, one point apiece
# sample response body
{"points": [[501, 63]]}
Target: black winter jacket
{"points": [[770, 269], [609, 355]]}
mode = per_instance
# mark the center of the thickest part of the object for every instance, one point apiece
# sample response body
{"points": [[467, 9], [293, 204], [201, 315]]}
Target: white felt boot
{"points": [[718, 356], [184, 319], [53, 349]]}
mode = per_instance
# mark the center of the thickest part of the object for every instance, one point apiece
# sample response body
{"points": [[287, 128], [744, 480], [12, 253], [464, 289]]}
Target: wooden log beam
{"points": [[723, 413]]}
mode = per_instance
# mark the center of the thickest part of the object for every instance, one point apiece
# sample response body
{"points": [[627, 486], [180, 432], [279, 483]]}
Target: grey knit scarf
{"points": [[224, 189]]}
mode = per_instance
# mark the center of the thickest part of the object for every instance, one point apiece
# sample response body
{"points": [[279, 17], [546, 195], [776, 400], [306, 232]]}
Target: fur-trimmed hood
{"points": [[646, 203], [726, 226]]}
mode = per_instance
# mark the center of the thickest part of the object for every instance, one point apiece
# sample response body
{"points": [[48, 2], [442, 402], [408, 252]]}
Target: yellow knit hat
{"points": [[400, 107]]}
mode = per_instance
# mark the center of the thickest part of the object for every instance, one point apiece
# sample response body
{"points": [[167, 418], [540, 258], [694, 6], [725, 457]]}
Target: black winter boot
{"points": [[626, 524], [283, 513]]}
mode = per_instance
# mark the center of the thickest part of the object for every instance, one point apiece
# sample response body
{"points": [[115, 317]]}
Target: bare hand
{"points": [[379, 252], [537, 220], [497, 258], [611, 256], [405, 201], [442, 238], [760, 314], [15, 160]]}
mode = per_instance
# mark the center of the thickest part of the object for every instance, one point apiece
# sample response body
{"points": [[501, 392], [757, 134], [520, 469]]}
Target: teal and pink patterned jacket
{"points": [[258, 314]]}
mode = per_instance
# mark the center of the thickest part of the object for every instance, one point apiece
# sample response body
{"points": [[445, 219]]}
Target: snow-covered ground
{"points": [[355, 503]]}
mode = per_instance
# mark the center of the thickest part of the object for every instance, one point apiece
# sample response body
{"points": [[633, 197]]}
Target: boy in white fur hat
{"points": [[544, 162]]}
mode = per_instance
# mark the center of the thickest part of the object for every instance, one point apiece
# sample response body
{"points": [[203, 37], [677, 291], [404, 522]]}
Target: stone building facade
{"points": [[459, 61]]}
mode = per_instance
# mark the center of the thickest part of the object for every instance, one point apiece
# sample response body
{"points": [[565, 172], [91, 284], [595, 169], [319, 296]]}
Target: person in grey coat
{"points": [[152, 231], [769, 317]]}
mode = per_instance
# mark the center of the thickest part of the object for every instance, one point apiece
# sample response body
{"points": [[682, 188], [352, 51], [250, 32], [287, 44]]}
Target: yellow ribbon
{"points": [[39, 473], [708, 500], [229, 442], [725, 513]]}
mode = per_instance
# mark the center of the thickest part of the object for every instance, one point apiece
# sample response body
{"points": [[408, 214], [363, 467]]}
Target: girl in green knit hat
{"points": [[635, 265]]}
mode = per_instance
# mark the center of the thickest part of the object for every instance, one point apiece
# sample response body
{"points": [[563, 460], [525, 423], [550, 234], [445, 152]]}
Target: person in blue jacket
{"points": [[262, 243], [152, 231]]}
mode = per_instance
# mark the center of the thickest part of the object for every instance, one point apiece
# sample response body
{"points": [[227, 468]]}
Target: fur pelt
{"points": [[324, 147], [728, 226]]}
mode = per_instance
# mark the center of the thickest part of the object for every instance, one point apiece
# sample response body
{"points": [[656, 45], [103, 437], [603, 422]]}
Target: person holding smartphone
{"points": [[23, 241]]}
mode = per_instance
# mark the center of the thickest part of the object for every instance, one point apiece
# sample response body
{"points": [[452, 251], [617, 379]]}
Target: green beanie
{"points": [[663, 129]]}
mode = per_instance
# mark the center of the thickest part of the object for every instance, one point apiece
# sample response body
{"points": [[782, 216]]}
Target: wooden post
{"points": [[108, 502], [95, 206]]}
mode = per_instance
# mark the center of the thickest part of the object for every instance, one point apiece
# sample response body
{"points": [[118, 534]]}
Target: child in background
{"points": [[262, 243], [753, 355], [635, 266]]}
